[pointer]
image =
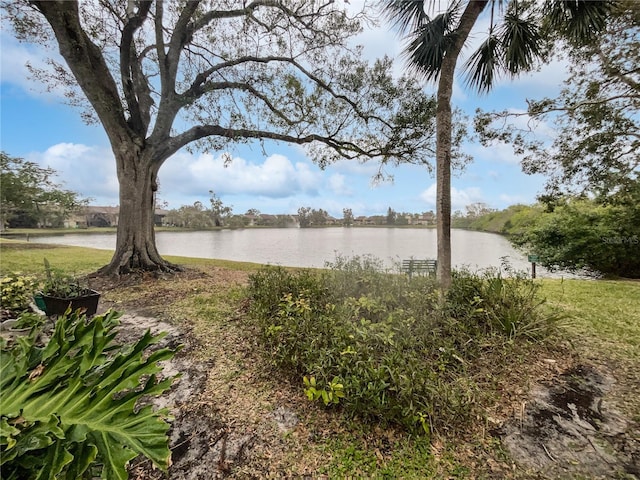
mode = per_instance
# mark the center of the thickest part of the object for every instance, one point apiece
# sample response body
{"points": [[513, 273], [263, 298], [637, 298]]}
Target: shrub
{"points": [[380, 345], [489, 302], [70, 408], [17, 291], [585, 234]]}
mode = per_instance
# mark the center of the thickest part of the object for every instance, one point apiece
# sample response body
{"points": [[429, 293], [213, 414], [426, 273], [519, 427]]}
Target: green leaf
{"points": [[80, 405], [56, 459], [7, 434], [34, 436], [84, 454]]}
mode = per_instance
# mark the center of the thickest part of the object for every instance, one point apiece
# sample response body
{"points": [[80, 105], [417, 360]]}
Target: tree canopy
{"points": [[30, 197], [596, 122], [585, 234]]}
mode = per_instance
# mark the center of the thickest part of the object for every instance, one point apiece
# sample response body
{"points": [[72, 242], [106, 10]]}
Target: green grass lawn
{"points": [[28, 257], [605, 313]]}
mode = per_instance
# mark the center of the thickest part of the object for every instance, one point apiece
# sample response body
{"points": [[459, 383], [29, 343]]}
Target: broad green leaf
{"points": [[7, 434], [83, 456], [80, 402], [56, 459]]}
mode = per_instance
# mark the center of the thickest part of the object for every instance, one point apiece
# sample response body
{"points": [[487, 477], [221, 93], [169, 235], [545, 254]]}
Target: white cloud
{"points": [[276, 177], [13, 66], [459, 198], [90, 171], [354, 167], [498, 152], [547, 81], [337, 184]]}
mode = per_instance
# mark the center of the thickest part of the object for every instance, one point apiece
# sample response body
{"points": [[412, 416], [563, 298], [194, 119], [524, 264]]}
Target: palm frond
{"points": [[430, 43], [521, 41], [484, 65], [578, 20], [405, 15], [408, 16]]}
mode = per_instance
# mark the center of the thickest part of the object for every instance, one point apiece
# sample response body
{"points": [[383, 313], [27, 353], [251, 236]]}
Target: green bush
{"points": [[17, 291], [69, 409], [381, 345], [489, 302], [586, 234]]}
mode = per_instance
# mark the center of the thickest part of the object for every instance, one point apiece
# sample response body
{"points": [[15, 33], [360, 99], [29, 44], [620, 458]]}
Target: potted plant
{"points": [[61, 291]]}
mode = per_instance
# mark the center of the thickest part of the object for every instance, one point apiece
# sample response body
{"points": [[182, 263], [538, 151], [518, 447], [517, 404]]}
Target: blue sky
{"points": [[38, 126]]}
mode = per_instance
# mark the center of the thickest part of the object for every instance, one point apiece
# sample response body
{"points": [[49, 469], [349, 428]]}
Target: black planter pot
{"points": [[57, 305]]}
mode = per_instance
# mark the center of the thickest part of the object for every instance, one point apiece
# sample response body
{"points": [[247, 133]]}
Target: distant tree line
{"points": [[221, 215], [199, 216]]}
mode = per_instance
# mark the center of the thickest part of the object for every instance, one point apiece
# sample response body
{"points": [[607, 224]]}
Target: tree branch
{"points": [[617, 73], [86, 61], [133, 82], [346, 149], [182, 34], [198, 87]]}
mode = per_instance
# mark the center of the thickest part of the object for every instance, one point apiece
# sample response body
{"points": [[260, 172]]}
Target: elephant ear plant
{"points": [[70, 408]]}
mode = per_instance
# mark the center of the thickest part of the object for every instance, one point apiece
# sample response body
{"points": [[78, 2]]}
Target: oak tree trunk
{"points": [[135, 244]]}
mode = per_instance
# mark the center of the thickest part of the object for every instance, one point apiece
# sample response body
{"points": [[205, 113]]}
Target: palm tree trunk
{"points": [[443, 139]]}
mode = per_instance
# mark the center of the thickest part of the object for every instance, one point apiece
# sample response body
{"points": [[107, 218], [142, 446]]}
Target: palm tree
{"points": [[512, 46]]}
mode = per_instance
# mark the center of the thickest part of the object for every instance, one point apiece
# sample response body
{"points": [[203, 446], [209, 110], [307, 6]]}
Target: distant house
{"points": [[159, 217], [102, 216], [426, 218], [99, 216]]}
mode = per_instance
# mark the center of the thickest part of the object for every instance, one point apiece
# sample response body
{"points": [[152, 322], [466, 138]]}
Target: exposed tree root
{"points": [[129, 261]]}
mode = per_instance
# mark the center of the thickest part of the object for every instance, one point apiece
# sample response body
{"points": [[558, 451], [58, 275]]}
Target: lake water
{"points": [[310, 247]]}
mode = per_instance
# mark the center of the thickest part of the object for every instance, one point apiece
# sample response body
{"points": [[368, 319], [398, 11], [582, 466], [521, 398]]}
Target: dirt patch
{"points": [[202, 446], [567, 429]]}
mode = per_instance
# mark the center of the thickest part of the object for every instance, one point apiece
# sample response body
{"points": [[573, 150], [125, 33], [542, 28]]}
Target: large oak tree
{"points": [[160, 76]]}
